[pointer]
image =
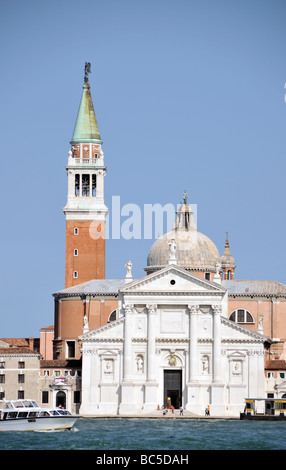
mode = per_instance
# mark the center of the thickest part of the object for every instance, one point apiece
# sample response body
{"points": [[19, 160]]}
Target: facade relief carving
{"points": [[205, 364]]}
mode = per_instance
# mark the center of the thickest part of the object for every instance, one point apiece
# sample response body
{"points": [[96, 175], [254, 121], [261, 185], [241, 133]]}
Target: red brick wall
{"points": [[90, 261]]}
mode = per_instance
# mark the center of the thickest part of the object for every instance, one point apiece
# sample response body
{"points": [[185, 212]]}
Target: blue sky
{"points": [[189, 95]]}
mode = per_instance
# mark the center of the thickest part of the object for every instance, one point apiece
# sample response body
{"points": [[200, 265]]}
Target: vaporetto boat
{"points": [[27, 415]]}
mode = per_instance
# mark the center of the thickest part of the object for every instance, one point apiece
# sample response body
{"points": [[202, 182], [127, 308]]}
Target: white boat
{"points": [[27, 415]]}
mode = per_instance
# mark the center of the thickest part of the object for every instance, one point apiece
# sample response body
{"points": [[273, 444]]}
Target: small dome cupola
{"points": [[227, 261]]}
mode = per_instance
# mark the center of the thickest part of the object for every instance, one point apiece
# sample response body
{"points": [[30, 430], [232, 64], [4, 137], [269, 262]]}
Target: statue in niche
{"points": [[140, 364], [236, 368], [108, 366], [205, 364]]}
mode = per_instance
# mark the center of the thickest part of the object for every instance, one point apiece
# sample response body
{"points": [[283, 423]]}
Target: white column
{"points": [[193, 386], [71, 184], [151, 385], [127, 389], [193, 343], [86, 381], [100, 185], [217, 309], [151, 343], [127, 358], [217, 386]]}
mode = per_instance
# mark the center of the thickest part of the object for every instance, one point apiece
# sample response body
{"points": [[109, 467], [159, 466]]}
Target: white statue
{"points": [[218, 267], [172, 252], [128, 266]]}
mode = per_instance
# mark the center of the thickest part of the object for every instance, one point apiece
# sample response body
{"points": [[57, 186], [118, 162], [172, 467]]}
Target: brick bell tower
{"points": [[85, 210]]}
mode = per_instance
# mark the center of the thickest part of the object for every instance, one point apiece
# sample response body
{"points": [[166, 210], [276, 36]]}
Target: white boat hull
{"points": [[52, 423]]}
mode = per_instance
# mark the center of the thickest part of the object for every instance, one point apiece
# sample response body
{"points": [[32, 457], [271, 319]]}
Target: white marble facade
{"points": [[172, 339]]}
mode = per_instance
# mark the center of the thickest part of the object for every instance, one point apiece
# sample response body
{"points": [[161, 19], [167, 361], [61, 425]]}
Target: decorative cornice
{"points": [[175, 293]]}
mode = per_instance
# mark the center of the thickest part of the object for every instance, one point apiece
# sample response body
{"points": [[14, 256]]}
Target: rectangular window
{"points": [[280, 405], [93, 185], [21, 365], [21, 394], [2, 395], [70, 349], [76, 396], [85, 185], [21, 378], [76, 185], [2, 378], [45, 397], [2, 365]]}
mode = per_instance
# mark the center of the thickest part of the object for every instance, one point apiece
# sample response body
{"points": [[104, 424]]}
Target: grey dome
{"points": [[194, 250]]}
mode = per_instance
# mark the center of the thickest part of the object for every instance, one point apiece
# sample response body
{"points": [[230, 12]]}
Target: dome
{"points": [[193, 250]]}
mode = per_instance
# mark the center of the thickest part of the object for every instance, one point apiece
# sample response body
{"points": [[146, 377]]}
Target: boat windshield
{"points": [[21, 404], [30, 404], [64, 412]]}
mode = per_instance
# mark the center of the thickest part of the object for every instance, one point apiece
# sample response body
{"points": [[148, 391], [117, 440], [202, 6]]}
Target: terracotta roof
{"points": [[17, 342], [18, 351], [60, 363], [275, 365]]}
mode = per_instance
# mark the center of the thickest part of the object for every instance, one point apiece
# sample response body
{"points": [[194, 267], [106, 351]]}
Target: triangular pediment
{"points": [[112, 330], [234, 331], [172, 279]]}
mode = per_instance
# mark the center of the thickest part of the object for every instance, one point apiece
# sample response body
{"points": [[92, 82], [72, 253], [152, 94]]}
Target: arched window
{"points": [[113, 316], [241, 316]]}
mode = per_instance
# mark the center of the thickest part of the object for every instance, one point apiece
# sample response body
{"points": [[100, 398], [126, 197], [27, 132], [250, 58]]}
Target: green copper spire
{"points": [[86, 128]]}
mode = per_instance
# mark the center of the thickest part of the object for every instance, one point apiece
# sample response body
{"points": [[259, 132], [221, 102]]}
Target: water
{"points": [[153, 434]]}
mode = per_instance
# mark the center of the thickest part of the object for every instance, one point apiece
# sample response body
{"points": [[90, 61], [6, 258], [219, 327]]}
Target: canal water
{"points": [[153, 434]]}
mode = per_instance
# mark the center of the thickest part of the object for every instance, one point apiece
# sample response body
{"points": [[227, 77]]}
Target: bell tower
{"points": [[85, 210]]}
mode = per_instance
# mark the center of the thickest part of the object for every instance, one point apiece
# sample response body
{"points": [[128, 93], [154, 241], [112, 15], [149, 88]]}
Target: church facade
{"points": [[172, 345]]}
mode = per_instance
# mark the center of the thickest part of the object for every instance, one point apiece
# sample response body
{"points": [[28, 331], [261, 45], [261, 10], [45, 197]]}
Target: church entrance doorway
{"points": [[173, 388]]}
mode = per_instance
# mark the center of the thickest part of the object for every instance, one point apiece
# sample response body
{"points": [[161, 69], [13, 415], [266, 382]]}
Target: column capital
{"points": [[128, 308], [151, 308], [217, 309], [194, 308]]}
